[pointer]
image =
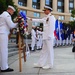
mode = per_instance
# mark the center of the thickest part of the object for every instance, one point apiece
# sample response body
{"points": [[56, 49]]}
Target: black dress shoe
{"points": [[32, 50], [7, 70]]}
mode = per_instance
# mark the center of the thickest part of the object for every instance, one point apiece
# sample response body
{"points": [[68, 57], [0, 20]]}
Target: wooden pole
{"points": [[22, 49], [20, 62], [24, 54]]}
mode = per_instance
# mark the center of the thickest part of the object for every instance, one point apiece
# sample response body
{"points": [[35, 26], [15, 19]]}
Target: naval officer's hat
{"points": [[9, 6], [47, 7]]}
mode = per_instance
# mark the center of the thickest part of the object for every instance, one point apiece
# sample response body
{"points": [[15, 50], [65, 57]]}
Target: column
{"points": [[66, 6], [55, 5], [29, 3], [74, 4], [42, 4]]}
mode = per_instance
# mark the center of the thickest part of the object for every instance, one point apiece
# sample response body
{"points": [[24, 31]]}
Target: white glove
{"points": [[28, 18]]}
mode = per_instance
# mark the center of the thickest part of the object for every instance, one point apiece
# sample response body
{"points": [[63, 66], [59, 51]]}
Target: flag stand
{"points": [[22, 49]]}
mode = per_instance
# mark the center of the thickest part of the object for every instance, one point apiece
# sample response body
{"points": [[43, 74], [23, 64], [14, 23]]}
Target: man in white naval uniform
{"points": [[33, 37], [5, 25], [38, 36], [41, 38], [47, 53]]}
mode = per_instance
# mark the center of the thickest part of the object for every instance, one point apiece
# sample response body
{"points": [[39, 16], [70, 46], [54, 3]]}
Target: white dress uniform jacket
{"points": [[5, 25], [48, 26], [47, 53]]}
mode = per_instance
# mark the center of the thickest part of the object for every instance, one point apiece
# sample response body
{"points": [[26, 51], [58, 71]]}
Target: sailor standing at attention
{"points": [[46, 60], [33, 37]]}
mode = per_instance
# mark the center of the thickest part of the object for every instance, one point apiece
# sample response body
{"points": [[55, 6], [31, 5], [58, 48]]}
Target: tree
{"points": [[73, 13], [9, 2], [72, 23], [4, 4]]}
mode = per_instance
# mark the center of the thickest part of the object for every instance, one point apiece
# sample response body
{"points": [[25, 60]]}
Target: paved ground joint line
{"points": [[39, 71]]}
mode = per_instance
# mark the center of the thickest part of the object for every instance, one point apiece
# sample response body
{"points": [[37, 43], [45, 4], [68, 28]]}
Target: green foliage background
{"points": [[4, 4], [72, 23]]}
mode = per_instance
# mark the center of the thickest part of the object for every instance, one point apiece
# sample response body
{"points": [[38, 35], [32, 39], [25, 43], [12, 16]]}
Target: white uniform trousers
{"points": [[60, 41], [71, 37], [41, 43], [63, 42], [3, 51], [38, 44], [67, 41], [54, 42], [33, 43], [57, 42], [47, 53]]}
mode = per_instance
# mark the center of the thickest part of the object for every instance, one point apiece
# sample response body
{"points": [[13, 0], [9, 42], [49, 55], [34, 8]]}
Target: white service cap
{"points": [[47, 7], [9, 6]]}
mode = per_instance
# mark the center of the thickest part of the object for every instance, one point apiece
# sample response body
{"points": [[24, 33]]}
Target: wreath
{"points": [[22, 24]]}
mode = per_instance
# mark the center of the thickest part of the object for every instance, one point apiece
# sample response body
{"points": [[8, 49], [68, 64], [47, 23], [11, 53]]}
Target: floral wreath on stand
{"points": [[22, 24], [23, 28]]}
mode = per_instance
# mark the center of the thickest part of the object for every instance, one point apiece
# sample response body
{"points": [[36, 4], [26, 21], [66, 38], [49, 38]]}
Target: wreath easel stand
{"points": [[22, 49]]}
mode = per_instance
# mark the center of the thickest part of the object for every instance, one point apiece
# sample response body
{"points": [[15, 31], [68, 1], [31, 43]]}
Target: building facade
{"points": [[33, 8]]}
